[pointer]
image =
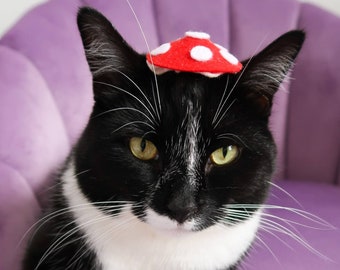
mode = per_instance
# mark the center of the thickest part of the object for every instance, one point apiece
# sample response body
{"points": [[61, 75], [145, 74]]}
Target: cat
{"points": [[171, 170]]}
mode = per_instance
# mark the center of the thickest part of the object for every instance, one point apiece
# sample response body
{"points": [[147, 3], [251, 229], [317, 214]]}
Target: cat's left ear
{"points": [[106, 51], [264, 72]]}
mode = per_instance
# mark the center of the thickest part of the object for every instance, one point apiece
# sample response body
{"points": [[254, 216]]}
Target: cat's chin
{"points": [[165, 225]]}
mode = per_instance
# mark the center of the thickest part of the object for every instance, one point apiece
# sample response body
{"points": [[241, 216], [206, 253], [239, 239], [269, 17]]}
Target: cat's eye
{"points": [[225, 155], [143, 149]]}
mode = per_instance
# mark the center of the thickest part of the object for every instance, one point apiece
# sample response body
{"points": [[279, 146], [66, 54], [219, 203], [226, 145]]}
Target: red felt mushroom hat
{"points": [[195, 52]]}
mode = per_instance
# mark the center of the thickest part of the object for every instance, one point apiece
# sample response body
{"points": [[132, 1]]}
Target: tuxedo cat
{"points": [[171, 170]]}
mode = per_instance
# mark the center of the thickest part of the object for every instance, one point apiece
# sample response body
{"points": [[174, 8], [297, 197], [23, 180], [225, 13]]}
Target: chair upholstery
{"points": [[46, 98]]}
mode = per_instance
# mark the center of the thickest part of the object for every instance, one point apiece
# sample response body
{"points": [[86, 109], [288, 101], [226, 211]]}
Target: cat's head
{"points": [[180, 147]]}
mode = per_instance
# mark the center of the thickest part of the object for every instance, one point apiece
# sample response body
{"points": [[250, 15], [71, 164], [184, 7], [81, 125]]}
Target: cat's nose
{"points": [[181, 210]]}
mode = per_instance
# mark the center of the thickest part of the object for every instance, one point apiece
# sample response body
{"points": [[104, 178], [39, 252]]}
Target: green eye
{"points": [[143, 149], [225, 155]]}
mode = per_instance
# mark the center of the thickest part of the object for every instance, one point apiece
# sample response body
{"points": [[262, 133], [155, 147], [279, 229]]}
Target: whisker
{"points": [[149, 50], [61, 239], [289, 222], [276, 237], [116, 230], [122, 109], [128, 93], [154, 98], [270, 227], [304, 214], [103, 237], [133, 123], [56, 244], [65, 210], [77, 256], [258, 237], [141, 91], [149, 132], [285, 192], [224, 114], [233, 213], [247, 64], [58, 183], [228, 135], [237, 81], [222, 102], [225, 224], [274, 226]]}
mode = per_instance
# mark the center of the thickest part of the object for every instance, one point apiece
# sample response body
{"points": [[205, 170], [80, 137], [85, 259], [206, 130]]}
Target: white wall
{"points": [[331, 5], [12, 10]]}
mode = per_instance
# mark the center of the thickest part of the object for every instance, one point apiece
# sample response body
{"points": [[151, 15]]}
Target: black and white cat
{"points": [[171, 170]]}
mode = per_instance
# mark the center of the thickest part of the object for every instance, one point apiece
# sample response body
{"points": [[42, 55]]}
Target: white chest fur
{"points": [[126, 243]]}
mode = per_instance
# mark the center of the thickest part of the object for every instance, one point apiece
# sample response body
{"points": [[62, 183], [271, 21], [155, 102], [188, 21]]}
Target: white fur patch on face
{"points": [[126, 243], [191, 146], [167, 225]]}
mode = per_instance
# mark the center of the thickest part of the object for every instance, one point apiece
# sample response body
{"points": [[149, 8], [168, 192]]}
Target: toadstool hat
{"points": [[195, 52]]}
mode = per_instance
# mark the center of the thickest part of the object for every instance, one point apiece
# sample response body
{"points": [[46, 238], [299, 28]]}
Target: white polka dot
{"points": [[201, 53], [161, 49], [228, 56], [200, 35]]}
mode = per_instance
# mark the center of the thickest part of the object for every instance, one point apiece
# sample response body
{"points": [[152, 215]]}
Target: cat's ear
{"points": [[264, 72], [106, 51]]}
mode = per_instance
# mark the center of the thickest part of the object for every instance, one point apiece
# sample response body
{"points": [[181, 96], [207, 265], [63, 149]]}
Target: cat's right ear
{"points": [[106, 51], [263, 73]]}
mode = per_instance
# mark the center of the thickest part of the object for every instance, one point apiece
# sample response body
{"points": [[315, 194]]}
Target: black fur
{"points": [[112, 173]]}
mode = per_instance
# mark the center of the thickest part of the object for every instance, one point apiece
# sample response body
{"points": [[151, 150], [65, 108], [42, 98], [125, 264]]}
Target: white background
{"points": [[12, 10]]}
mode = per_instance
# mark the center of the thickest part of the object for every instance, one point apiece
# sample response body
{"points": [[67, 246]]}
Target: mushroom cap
{"points": [[195, 52]]}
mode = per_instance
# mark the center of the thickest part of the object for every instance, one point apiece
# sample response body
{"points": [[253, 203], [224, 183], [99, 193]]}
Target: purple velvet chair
{"points": [[46, 98]]}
